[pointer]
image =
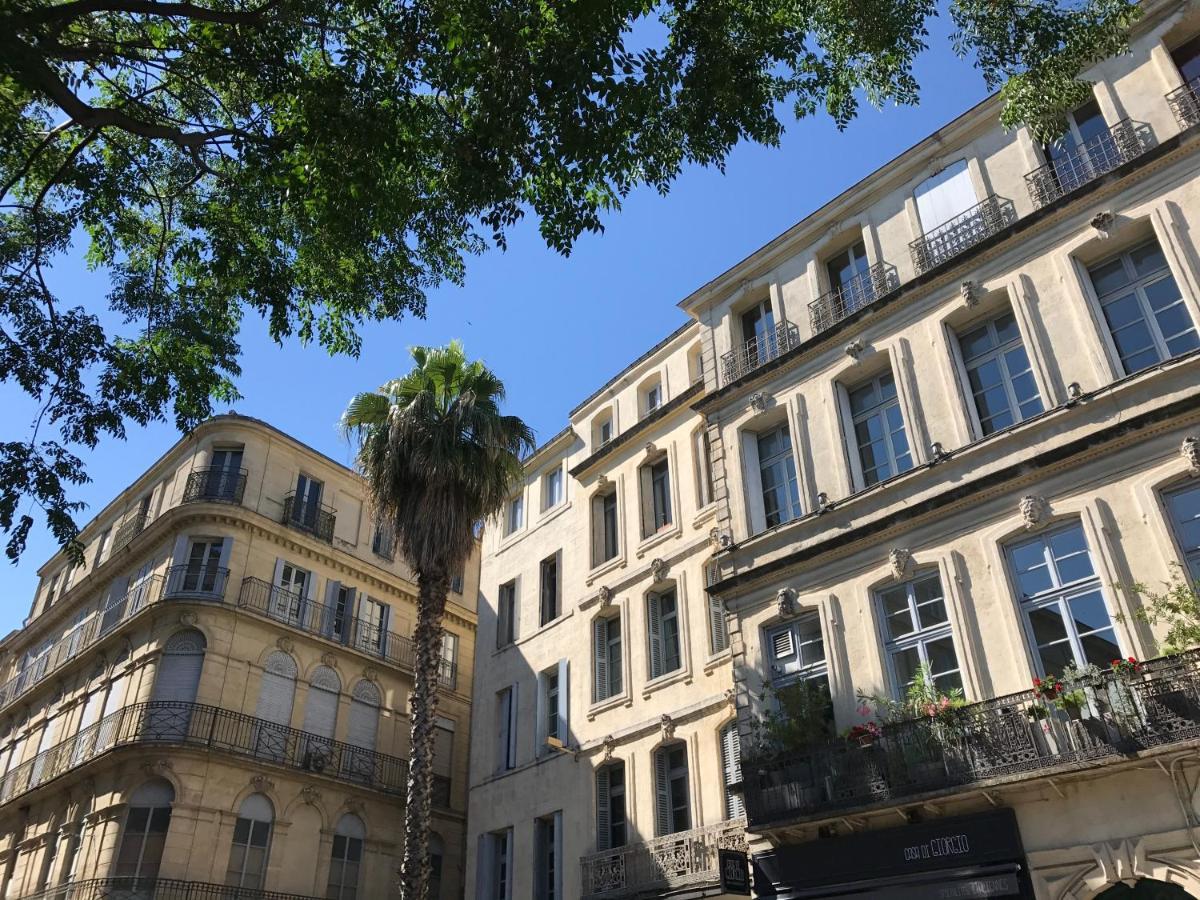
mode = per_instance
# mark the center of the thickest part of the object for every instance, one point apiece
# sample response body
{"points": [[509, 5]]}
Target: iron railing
{"points": [[1185, 103], [961, 233], [681, 860], [326, 621], [1106, 151], [1005, 738], [861, 290], [129, 888], [215, 485], [128, 530], [307, 515], [211, 728], [137, 598], [759, 350], [192, 582]]}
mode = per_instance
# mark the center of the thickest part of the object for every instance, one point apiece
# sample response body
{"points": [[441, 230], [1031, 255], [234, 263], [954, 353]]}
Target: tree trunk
{"points": [[427, 645]]}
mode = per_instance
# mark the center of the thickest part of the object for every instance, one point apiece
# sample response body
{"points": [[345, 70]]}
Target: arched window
{"points": [[347, 858], [731, 770], [320, 717], [363, 727], [251, 843], [672, 792], [275, 697], [437, 851], [176, 684], [146, 823]]}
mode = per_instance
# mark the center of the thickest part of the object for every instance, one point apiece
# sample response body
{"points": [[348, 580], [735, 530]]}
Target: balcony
{"points": [[759, 350], [210, 729], [983, 745], [215, 486], [128, 530], [861, 290], [307, 515], [334, 624], [961, 233], [1185, 103], [191, 582], [1087, 162], [155, 889], [686, 859]]}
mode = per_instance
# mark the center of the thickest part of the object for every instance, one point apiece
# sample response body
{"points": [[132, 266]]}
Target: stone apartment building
{"points": [[945, 424], [214, 704]]}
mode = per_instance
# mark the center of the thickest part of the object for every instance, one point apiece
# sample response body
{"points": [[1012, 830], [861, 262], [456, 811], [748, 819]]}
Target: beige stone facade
{"points": [[951, 418], [218, 695]]}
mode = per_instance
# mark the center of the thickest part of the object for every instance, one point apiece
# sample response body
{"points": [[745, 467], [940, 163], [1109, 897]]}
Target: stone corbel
{"points": [[1190, 450], [757, 401], [901, 562], [606, 596], [1103, 223], [1035, 511], [855, 348], [667, 726], [659, 569], [785, 601], [970, 293]]}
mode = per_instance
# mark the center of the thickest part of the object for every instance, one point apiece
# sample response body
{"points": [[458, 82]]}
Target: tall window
{"points": [[610, 806], [879, 429], [656, 496], [550, 605], [848, 277], [145, 834], [506, 723], [662, 614], [307, 505], [944, 196], [777, 473], [718, 628], [201, 574], [514, 514], [372, 624], [291, 589], [672, 798], [101, 547], [1143, 307], [653, 397], [1187, 60], [547, 840], [998, 374], [347, 859], [1068, 619], [1084, 150], [702, 452], [449, 653], [797, 649], [606, 652], [224, 468], [383, 540], [506, 614], [552, 488], [51, 592], [1184, 506], [604, 527], [603, 429], [758, 334], [917, 632], [500, 865], [251, 843], [731, 770], [437, 853], [335, 622], [553, 705]]}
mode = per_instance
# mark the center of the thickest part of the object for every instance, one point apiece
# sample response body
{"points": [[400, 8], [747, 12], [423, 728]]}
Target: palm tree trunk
{"points": [[427, 644]]}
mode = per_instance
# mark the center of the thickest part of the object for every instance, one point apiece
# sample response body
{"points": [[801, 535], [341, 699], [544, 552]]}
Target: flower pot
{"points": [[866, 741], [1074, 712]]}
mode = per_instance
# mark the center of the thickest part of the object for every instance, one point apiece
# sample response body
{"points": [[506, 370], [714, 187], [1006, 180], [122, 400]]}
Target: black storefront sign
{"points": [[961, 858], [735, 872]]}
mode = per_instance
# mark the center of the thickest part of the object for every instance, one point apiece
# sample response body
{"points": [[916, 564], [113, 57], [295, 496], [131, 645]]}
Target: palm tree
{"points": [[439, 459]]}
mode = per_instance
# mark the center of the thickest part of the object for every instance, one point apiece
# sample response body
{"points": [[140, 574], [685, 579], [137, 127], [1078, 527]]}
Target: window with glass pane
{"points": [[608, 527], [506, 614], [1184, 506], [610, 804], [145, 835], [917, 631], [998, 374], [777, 472], [758, 333], [552, 489], [516, 512], [677, 787], [664, 634], [251, 840], [1086, 147], [1068, 619], [660, 494], [606, 652], [653, 398], [1187, 59], [550, 701], [1145, 312], [549, 589], [879, 430], [204, 558], [347, 860], [847, 273]]}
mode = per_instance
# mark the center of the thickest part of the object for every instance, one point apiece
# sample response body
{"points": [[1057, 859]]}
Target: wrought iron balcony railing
{"points": [[1106, 151], [81, 637], [861, 290], [215, 485], [193, 582], [1008, 738], [128, 530], [306, 515], [129, 888], [961, 233], [759, 350], [339, 625], [1185, 103], [685, 859], [210, 728]]}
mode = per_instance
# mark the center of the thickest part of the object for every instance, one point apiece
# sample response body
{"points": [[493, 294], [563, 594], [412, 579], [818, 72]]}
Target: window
{"points": [[552, 488], [292, 587], [731, 770], [382, 540], [606, 652], [347, 858], [506, 614], [917, 633], [672, 808], [506, 722], [456, 583], [338, 613], [662, 613], [449, 653], [944, 196], [758, 334], [879, 430], [604, 523], [998, 374], [146, 822], [437, 852], [51, 591], [656, 496], [652, 398], [443, 758], [547, 849], [307, 504], [251, 843], [1086, 130], [1187, 60], [101, 547], [372, 625], [553, 705], [797, 649], [514, 515], [202, 573], [603, 430], [500, 864], [777, 475], [848, 277], [610, 806], [702, 453], [1143, 307], [718, 628], [1184, 506], [223, 480], [1068, 620], [550, 605]]}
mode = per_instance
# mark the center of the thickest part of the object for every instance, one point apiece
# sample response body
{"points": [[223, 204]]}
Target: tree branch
{"points": [[181, 10]]}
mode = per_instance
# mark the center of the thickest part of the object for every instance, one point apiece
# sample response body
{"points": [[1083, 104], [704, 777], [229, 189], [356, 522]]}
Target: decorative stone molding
{"points": [[1123, 862], [901, 563], [609, 746], [651, 448], [731, 697], [188, 620], [970, 292], [354, 805], [1190, 449], [721, 539], [936, 452], [310, 795], [155, 768], [98, 669], [823, 503], [602, 480], [329, 659], [261, 783], [285, 644], [659, 569], [60, 691], [1035, 511], [855, 348], [606, 595], [1074, 393], [667, 726], [1103, 223], [371, 674], [785, 600], [757, 402]]}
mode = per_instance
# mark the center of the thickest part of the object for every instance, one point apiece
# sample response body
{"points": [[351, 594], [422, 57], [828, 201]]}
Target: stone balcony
{"points": [[686, 860]]}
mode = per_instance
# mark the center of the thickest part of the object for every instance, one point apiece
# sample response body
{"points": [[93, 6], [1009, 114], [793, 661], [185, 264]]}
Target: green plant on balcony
{"points": [[795, 716], [923, 701], [1177, 608]]}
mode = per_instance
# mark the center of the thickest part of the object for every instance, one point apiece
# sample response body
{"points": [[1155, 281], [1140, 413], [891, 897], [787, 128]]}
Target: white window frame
{"points": [[514, 514], [997, 353], [664, 776], [1190, 557], [506, 613], [556, 586], [852, 419], [553, 706], [603, 687], [548, 857], [919, 637], [656, 621], [552, 488], [799, 634]]}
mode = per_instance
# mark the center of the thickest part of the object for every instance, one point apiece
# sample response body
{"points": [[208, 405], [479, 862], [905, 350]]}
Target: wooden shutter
{"points": [[278, 689], [178, 677], [603, 809], [363, 724], [731, 767], [662, 793], [600, 683], [654, 627], [320, 709], [564, 703], [717, 625]]}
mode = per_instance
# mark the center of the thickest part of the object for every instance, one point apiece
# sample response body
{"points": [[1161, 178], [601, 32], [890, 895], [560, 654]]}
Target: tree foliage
{"points": [[323, 163]]}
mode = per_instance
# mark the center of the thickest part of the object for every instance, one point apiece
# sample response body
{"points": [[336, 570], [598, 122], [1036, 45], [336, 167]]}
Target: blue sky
{"points": [[554, 328]]}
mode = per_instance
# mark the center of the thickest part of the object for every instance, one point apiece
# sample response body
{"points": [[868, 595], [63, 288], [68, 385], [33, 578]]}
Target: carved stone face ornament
{"points": [[1035, 512], [901, 563], [785, 599], [1190, 451]]}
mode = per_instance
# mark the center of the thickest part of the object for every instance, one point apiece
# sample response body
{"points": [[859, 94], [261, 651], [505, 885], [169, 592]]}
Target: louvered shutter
{"points": [[178, 677], [541, 712], [363, 724], [113, 700], [508, 865], [329, 617], [731, 766], [277, 692], [717, 625], [603, 810], [320, 712], [600, 659], [654, 627], [564, 703], [662, 793], [512, 728], [504, 715], [114, 605]]}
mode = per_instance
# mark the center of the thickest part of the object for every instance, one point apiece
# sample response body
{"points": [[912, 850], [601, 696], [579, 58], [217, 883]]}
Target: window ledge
{"points": [[542, 629], [510, 539], [621, 699], [605, 567], [682, 675], [552, 513], [717, 660], [704, 514], [657, 538]]}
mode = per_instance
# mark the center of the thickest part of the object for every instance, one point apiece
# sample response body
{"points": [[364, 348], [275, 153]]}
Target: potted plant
{"points": [[1126, 668], [864, 735], [1072, 702], [796, 719]]}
